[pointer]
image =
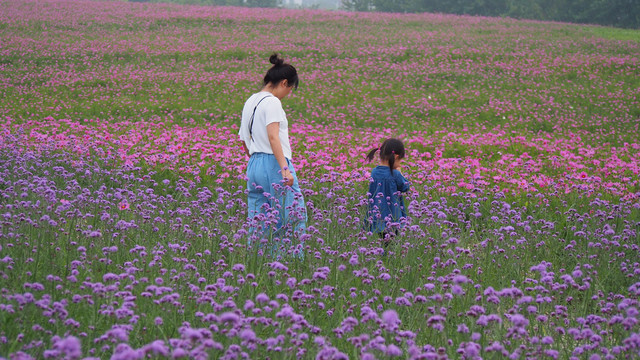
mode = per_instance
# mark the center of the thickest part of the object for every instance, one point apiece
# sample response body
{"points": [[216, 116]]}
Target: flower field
{"points": [[123, 230]]}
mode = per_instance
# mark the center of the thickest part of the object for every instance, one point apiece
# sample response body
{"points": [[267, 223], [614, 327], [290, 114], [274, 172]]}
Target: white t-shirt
{"points": [[269, 111]]}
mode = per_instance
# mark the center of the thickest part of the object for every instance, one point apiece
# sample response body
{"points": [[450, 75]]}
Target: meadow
{"points": [[123, 230]]}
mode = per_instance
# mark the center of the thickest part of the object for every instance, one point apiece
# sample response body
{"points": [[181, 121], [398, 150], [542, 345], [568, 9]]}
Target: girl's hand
{"points": [[287, 177], [397, 164]]}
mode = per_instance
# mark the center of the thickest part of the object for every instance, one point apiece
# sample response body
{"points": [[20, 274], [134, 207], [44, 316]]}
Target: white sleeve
{"points": [[273, 110]]}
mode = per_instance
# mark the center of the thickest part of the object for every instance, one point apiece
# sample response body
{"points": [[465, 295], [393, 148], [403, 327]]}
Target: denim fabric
{"points": [[386, 204], [275, 210]]}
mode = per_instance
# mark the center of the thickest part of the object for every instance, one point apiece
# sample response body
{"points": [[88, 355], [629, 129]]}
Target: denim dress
{"points": [[385, 200]]}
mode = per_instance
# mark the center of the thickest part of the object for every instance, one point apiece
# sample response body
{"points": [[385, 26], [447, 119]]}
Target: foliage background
{"points": [[617, 13]]}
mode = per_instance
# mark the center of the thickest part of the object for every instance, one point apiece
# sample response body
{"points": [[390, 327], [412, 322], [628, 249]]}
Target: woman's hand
{"points": [[274, 140], [287, 177]]}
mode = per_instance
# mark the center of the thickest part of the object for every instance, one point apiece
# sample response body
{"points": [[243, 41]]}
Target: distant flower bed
{"points": [[455, 162]]}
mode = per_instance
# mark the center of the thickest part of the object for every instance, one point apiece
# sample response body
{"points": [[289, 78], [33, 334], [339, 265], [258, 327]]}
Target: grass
{"points": [[613, 33]]}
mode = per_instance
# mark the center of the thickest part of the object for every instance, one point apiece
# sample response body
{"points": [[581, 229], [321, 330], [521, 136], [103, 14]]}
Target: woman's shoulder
{"points": [[272, 99], [268, 100], [263, 97]]}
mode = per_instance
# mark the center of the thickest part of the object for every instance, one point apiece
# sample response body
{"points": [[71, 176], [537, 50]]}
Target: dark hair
{"points": [[388, 150], [281, 71]]}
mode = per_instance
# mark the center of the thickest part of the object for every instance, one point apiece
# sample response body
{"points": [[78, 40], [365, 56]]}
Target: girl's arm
{"points": [[246, 150], [402, 183], [273, 131]]}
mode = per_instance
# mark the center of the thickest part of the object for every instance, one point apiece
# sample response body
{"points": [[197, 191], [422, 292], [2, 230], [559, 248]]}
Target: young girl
{"points": [[386, 204]]}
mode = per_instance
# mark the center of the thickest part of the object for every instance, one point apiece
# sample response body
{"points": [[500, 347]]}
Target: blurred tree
{"points": [[357, 5], [628, 15], [549, 9], [625, 13], [400, 6], [262, 3], [524, 9], [620, 13]]}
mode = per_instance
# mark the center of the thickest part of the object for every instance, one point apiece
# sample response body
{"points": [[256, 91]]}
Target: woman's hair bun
{"points": [[276, 60], [281, 71]]}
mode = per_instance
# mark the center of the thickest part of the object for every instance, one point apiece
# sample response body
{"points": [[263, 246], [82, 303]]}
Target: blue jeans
{"points": [[274, 210]]}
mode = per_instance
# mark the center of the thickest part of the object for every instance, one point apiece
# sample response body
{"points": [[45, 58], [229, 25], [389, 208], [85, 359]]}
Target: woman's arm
{"points": [[273, 131], [246, 150]]}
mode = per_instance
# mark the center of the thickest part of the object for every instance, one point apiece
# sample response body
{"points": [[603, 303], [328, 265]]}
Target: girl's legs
{"points": [[386, 238]]}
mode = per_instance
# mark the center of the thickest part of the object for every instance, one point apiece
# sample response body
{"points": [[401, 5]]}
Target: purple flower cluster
{"points": [[171, 274]]}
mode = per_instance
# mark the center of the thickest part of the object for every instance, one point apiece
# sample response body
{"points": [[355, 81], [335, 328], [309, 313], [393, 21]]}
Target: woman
{"points": [[274, 194]]}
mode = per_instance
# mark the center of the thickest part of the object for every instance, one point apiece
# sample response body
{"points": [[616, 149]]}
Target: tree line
{"points": [[619, 13], [247, 3]]}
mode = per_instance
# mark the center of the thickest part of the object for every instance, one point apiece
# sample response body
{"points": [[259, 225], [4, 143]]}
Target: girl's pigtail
{"points": [[392, 160], [371, 154]]}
